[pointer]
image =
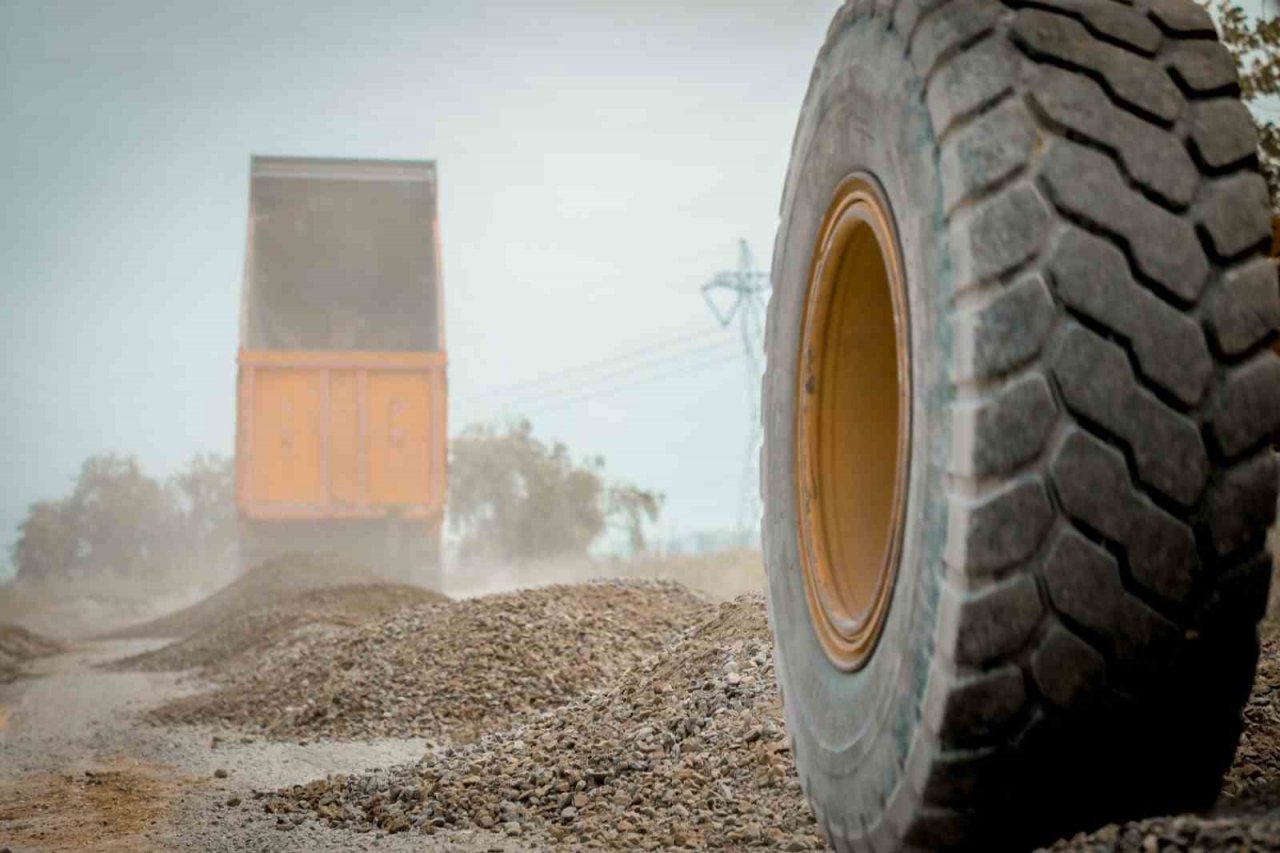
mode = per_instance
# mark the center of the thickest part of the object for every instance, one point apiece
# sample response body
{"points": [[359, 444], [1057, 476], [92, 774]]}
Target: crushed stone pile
{"points": [[687, 750], [1224, 830], [447, 671], [230, 642], [1258, 756], [19, 646], [270, 584]]}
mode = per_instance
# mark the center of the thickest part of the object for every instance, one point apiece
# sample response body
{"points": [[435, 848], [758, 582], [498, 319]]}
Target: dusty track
{"points": [[683, 750], [80, 770]]}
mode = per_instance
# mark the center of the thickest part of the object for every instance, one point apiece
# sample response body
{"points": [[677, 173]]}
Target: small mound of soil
{"points": [[227, 642], [449, 670], [268, 585], [18, 646], [687, 750]]}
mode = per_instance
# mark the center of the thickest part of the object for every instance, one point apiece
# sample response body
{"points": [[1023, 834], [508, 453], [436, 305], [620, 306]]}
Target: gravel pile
{"points": [[268, 585], [1258, 756], [19, 646], [1229, 830], [447, 671], [231, 641], [686, 750]]}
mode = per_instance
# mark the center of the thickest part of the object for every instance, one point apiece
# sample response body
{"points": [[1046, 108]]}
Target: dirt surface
{"points": [[80, 769], [447, 671], [637, 718], [112, 807], [686, 751], [689, 751], [19, 646]]}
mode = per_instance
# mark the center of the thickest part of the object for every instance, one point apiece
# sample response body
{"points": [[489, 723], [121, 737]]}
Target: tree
{"points": [[203, 500], [120, 523], [1254, 44], [119, 519], [513, 497], [44, 550], [632, 508]]}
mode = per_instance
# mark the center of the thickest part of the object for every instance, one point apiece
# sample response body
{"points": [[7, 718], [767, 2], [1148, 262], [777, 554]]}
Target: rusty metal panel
{"points": [[330, 434], [286, 444], [346, 485], [399, 413]]}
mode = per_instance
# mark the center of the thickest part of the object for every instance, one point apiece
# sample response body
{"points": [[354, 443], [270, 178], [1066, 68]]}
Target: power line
{"points": [[624, 379], [683, 370], [735, 297], [570, 374], [527, 394]]}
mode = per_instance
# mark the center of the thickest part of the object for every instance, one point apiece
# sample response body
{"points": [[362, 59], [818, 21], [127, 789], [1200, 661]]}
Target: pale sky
{"points": [[598, 162]]}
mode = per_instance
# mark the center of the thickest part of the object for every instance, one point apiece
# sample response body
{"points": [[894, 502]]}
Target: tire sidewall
{"points": [[865, 112]]}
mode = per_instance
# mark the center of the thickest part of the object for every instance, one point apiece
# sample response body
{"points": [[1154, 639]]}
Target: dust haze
{"points": [[385, 421]]}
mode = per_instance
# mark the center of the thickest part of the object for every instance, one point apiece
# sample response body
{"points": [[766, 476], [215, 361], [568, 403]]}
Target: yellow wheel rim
{"points": [[853, 423]]}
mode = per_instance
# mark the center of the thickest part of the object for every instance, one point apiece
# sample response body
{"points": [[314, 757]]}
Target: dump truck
{"points": [[342, 392], [1019, 413]]}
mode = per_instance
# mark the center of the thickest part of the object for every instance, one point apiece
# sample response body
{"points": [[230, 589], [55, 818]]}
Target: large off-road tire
{"points": [[1018, 414]]}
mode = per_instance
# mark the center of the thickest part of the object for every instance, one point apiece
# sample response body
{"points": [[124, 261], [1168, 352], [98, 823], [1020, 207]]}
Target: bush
{"points": [[1253, 44], [120, 523], [513, 497]]}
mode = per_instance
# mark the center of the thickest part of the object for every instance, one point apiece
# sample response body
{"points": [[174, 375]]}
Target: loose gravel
{"points": [[446, 671], [269, 585], [237, 640], [19, 646], [686, 750], [674, 740]]}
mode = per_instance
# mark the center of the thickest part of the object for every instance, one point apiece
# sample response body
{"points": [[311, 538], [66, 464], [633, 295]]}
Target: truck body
{"points": [[342, 393]]}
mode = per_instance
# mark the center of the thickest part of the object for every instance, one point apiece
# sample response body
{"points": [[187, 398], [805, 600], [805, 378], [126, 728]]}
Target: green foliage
{"points": [[118, 522], [204, 506], [44, 550], [513, 497], [1254, 44], [628, 508]]}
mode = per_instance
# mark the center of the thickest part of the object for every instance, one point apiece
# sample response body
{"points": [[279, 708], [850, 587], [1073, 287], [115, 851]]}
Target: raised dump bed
{"points": [[341, 401]]}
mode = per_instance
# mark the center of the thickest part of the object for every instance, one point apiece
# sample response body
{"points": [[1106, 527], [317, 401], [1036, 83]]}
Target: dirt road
{"points": [[683, 749], [79, 770]]}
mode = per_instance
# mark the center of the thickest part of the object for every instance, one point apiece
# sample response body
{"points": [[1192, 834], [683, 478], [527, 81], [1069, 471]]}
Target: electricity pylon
{"points": [[741, 296]]}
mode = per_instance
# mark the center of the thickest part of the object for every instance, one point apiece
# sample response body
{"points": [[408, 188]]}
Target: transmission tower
{"points": [[740, 297]]}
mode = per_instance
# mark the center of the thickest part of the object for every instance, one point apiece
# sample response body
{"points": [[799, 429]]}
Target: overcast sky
{"points": [[598, 162]]}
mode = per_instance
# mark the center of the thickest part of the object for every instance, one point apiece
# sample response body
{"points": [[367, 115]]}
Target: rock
{"points": [[441, 670], [661, 754], [665, 750]]}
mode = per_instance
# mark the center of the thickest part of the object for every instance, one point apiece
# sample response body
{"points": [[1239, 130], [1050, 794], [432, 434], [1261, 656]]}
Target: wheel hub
{"points": [[853, 422]]}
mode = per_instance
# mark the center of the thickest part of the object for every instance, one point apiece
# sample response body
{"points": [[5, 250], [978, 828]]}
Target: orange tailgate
{"points": [[340, 434]]}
